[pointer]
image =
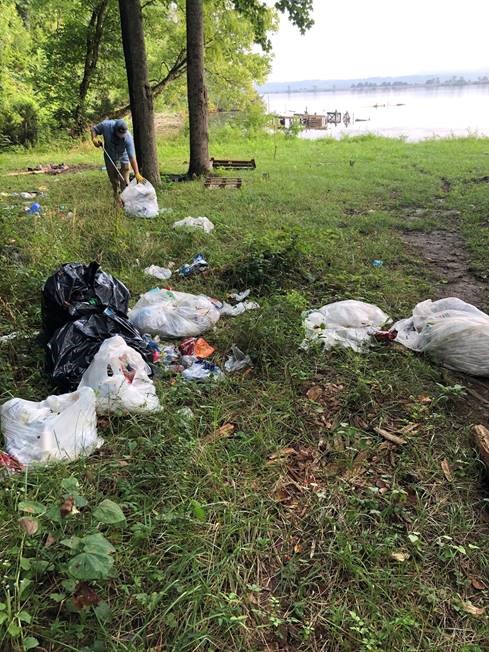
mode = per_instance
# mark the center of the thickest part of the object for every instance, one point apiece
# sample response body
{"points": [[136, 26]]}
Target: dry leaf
{"points": [[422, 398], [472, 609], [314, 393], [477, 584], [67, 507], [281, 454], [481, 437], [400, 556], [221, 433], [298, 548], [447, 471], [50, 540], [84, 596], [29, 525]]}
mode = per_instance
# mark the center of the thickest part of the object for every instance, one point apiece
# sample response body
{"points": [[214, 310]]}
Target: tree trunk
{"points": [[196, 90], [95, 31], [140, 93]]}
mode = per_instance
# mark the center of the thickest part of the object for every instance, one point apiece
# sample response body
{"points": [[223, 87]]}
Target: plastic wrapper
{"points": [[202, 223], [162, 273], [120, 379], [140, 199], [173, 314], [58, 428], [73, 347], [76, 290], [453, 332], [349, 324], [202, 370]]}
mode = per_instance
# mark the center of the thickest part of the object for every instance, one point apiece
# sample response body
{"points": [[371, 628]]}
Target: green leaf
{"points": [[30, 643], [25, 563], [90, 566], [57, 597], [3, 617], [97, 544], [71, 485], [109, 512], [80, 501], [73, 543], [103, 612], [13, 629], [198, 511], [54, 514], [24, 617], [40, 566], [3, 606], [24, 584], [69, 585], [31, 507]]}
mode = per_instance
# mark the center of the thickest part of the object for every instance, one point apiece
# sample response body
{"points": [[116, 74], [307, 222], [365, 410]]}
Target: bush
{"points": [[19, 124]]}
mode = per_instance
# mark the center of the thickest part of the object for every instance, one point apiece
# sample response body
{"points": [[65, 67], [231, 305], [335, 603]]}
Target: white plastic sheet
{"points": [[119, 377], [454, 332], [349, 324], [140, 199], [58, 428], [173, 314], [203, 223], [162, 273]]}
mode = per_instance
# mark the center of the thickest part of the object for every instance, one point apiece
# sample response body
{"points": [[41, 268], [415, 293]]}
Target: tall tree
{"points": [[197, 90], [140, 93]]}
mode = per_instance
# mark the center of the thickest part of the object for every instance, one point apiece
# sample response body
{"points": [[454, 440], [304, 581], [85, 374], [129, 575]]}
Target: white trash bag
{"points": [[119, 377], [203, 223], [162, 273], [140, 199], [349, 324], [58, 428], [173, 314], [454, 332]]}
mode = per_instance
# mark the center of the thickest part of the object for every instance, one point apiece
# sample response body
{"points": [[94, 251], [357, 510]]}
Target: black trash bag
{"points": [[76, 290], [73, 346]]}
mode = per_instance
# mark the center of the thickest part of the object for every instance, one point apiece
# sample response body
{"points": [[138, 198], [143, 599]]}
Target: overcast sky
{"points": [[365, 38]]}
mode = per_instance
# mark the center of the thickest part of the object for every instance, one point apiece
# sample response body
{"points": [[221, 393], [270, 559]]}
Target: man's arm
{"points": [[131, 152], [95, 131]]}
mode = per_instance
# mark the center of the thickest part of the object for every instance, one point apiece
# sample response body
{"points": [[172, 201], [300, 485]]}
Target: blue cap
{"points": [[120, 125]]}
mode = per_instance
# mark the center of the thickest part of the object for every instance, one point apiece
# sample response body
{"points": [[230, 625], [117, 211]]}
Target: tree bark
{"points": [[196, 90], [140, 93], [95, 31]]}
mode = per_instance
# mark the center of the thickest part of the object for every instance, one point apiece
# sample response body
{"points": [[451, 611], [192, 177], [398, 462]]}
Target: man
{"points": [[119, 146]]}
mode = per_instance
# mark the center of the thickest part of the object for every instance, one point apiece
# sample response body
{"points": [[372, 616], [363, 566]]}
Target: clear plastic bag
{"points": [[58, 428], [349, 324], [203, 223], [454, 332], [140, 199], [173, 314], [119, 377]]}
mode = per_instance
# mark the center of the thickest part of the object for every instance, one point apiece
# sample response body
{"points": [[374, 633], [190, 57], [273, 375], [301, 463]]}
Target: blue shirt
{"points": [[119, 149]]}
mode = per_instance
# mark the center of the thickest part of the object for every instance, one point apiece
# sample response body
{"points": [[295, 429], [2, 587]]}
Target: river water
{"points": [[412, 113]]}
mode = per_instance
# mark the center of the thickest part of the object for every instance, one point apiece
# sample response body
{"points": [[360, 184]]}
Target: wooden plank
{"points": [[230, 164], [223, 182]]}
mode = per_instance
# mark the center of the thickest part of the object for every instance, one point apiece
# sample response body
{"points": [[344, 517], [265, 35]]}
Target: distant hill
{"points": [[347, 84]]}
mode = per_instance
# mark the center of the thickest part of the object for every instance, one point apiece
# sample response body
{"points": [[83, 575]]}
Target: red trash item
{"points": [[386, 336], [196, 346], [9, 463]]}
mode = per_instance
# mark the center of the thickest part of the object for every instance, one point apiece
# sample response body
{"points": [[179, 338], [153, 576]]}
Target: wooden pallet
{"points": [[223, 182], [229, 164]]}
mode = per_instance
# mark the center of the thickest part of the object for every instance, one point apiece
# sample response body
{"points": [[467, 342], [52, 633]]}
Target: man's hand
{"points": [[140, 178], [97, 142]]}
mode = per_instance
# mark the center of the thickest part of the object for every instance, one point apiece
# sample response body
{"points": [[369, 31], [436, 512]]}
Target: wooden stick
{"points": [[394, 439]]}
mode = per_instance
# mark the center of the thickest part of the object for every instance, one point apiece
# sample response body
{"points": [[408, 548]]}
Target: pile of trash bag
{"points": [[58, 428], [173, 314], [140, 199], [350, 324], [76, 290], [453, 332]]}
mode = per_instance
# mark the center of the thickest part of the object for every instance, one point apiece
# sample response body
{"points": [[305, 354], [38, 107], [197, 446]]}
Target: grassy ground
{"points": [[304, 530]]}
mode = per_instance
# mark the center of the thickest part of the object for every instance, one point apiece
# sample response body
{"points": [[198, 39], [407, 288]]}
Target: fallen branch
{"points": [[394, 439], [481, 438]]}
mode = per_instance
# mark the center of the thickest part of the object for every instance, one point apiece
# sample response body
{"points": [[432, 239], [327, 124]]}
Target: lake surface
{"points": [[413, 113]]}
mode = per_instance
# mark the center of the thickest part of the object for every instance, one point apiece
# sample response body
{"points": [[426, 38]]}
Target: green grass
{"points": [[225, 548]]}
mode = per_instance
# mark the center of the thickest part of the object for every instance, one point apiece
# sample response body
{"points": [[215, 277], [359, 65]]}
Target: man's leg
{"points": [[114, 179], [125, 174]]}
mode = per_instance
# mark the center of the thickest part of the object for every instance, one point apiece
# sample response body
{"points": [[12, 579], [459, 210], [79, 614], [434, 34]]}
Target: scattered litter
{"points": [[186, 414], [33, 209], [58, 428], [140, 199], [162, 273], [202, 370], [197, 347], [233, 311], [9, 463], [452, 331], [237, 360], [240, 296], [377, 262], [195, 223], [73, 346], [196, 266], [173, 314], [349, 324], [120, 378], [76, 290]]}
